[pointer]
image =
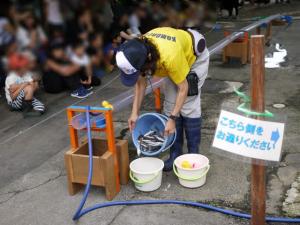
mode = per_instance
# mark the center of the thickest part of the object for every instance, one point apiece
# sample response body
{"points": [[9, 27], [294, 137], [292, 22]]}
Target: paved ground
{"points": [[33, 181]]}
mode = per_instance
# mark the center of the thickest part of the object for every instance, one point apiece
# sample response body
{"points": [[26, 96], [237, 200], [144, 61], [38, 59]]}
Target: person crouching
{"points": [[20, 87]]}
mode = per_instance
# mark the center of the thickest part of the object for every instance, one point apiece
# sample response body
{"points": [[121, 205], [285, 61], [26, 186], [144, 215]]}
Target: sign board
{"points": [[249, 137]]}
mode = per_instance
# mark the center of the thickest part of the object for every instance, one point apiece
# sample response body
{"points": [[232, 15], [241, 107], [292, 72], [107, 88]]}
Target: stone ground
{"points": [[291, 205], [33, 188]]}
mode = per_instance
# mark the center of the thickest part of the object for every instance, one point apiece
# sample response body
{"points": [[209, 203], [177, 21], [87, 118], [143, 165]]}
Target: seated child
{"points": [[79, 57], [20, 87], [95, 52], [61, 74]]}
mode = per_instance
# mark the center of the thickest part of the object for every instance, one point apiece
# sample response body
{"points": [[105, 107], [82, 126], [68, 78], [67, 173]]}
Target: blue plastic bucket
{"points": [[152, 121]]}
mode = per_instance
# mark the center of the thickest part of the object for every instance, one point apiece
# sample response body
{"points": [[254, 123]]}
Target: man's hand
{"points": [[132, 120], [170, 127]]}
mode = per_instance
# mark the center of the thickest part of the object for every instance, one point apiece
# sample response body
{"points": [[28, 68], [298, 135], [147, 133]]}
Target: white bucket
{"points": [[146, 173], [191, 177]]}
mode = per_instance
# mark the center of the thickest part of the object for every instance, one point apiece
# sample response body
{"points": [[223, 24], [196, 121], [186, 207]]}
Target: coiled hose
{"points": [[80, 211]]}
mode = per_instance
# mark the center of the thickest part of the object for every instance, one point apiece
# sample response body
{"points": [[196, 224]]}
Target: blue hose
{"points": [[80, 211]]}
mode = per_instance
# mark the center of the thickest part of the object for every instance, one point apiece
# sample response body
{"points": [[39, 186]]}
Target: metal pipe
{"points": [[127, 97], [221, 44]]}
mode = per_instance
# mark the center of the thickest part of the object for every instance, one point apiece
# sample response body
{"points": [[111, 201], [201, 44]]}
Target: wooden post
{"points": [[258, 181]]}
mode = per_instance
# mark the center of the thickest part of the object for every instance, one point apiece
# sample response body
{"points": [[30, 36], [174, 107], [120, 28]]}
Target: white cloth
{"points": [[54, 15], [196, 38], [82, 61], [14, 78], [23, 37]]}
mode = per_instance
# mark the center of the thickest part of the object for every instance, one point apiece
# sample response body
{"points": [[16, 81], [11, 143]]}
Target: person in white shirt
{"points": [[79, 57], [53, 12], [20, 87], [55, 23], [30, 36], [134, 20]]}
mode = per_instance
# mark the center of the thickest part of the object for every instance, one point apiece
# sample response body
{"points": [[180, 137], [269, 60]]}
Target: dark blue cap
{"points": [[130, 59]]}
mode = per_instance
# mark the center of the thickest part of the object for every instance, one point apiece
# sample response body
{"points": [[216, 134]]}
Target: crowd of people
{"points": [[70, 45]]}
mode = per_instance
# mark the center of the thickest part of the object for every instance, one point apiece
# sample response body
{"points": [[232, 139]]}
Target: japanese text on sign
{"points": [[249, 137]]}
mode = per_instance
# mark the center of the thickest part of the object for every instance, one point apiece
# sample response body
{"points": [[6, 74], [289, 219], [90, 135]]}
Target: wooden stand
{"points": [[110, 157], [278, 22], [237, 49]]}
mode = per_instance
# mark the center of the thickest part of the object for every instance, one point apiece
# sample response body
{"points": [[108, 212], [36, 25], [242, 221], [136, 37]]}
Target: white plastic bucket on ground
{"points": [[146, 173], [191, 177]]}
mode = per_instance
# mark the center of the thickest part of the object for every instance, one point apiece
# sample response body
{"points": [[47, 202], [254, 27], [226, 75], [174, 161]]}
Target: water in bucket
{"points": [[152, 122], [79, 121]]}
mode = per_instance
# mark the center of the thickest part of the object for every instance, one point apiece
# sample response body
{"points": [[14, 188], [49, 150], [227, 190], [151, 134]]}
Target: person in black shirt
{"points": [[61, 74]]}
